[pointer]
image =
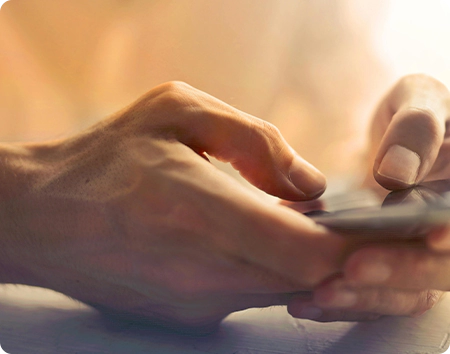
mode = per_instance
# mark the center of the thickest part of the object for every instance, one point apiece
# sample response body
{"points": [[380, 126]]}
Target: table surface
{"points": [[34, 320]]}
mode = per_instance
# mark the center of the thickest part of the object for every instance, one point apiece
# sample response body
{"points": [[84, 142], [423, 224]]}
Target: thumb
{"points": [[414, 114], [254, 147]]}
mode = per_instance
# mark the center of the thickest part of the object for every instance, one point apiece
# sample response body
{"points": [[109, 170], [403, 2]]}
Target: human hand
{"points": [[409, 139], [380, 280], [339, 299], [131, 218], [336, 299], [410, 143]]}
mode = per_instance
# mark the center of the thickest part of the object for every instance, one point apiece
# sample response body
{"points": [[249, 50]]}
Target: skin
{"points": [[131, 218], [397, 279], [117, 240]]}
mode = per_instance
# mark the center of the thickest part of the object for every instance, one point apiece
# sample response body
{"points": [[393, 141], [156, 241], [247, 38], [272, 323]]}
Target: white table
{"points": [[34, 320]]}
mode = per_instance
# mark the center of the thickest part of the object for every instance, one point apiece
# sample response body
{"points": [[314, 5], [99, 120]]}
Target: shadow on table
{"points": [[45, 329]]}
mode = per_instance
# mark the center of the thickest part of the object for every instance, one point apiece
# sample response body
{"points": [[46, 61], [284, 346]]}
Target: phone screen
{"points": [[407, 213]]}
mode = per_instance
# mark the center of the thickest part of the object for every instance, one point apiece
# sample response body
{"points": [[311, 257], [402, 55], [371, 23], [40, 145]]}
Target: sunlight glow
{"points": [[415, 37]]}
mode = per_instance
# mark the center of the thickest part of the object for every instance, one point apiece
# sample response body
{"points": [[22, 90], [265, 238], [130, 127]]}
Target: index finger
{"points": [[251, 145]]}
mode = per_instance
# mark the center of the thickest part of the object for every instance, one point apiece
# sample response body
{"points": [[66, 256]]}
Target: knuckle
{"points": [[270, 132], [183, 101], [421, 119], [173, 93], [163, 102], [426, 301], [268, 138], [174, 86], [269, 128], [432, 298], [421, 80], [168, 90]]}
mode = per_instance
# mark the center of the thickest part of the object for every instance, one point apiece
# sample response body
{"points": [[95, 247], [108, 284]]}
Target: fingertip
{"points": [[307, 178], [304, 310], [410, 145], [439, 239], [399, 168]]}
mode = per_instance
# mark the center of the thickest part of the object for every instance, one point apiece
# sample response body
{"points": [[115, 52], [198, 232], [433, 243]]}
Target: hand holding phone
{"points": [[408, 213]]}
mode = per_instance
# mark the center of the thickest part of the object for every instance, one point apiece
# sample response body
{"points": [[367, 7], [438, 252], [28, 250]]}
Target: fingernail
{"points": [[310, 313], [343, 298], [400, 164], [374, 272], [305, 177]]}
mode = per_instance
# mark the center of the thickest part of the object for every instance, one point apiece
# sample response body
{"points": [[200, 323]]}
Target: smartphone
{"points": [[408, 213]]}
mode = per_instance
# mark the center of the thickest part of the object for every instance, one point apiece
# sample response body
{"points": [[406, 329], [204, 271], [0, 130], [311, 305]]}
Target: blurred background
{"points": [[316, 69]]}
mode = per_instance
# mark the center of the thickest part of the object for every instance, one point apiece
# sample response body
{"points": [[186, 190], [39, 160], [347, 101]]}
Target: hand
{"points": [[409, 144], [409, 140], [338, 299], [131, 218]]}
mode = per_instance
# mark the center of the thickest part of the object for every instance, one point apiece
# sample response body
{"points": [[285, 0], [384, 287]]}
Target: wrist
{"points": [[19, 171]]}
